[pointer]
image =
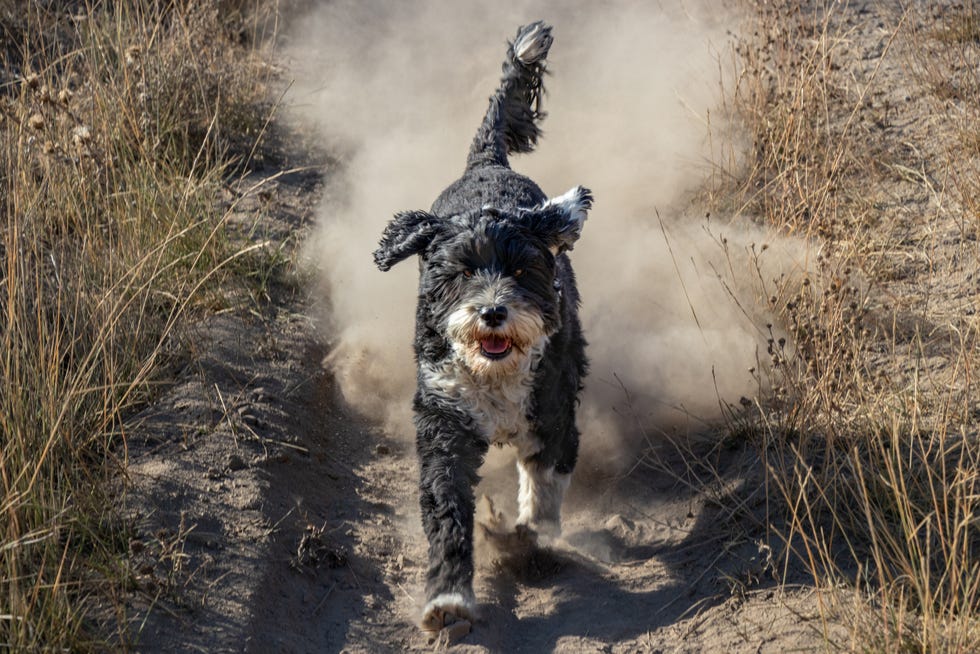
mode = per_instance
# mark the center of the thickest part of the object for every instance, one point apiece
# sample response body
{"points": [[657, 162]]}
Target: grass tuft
{"points": [[118, 122], [868, 426]]}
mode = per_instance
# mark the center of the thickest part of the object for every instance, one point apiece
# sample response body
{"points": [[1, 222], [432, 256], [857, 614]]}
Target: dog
{"points": [[498, 341]]}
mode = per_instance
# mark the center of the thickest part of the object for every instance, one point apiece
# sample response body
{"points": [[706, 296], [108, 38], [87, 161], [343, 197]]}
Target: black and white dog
{"points": [[498, 341]]}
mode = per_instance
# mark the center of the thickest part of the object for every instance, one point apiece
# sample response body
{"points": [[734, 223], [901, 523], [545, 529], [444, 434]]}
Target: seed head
{"points": [[80, 136], [133, 53]]}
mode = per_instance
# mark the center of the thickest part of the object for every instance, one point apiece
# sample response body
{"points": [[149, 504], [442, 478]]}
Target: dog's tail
{"points": [[511, 121]]}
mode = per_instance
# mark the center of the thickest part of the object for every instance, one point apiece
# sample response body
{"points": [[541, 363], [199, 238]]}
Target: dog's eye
{"points": [[467, 273], [519, 272]]}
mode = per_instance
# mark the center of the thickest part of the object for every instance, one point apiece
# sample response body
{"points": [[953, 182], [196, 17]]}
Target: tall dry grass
{"points": [[872, 455], [118, 122]]}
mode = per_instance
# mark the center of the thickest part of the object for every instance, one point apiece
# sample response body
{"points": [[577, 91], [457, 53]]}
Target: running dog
{"points": [[498, 342]]}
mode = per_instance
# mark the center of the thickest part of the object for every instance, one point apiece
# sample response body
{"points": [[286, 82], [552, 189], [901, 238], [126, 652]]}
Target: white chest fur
{"points": [[498, 406]]}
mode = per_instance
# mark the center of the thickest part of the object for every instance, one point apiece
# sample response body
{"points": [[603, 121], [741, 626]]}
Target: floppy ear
{"points": [[559, 220], [408, 233]]}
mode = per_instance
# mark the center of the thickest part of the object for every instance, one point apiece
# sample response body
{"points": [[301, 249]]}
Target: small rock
{"points": [[255, 421], [208, 539], [236, 462]]}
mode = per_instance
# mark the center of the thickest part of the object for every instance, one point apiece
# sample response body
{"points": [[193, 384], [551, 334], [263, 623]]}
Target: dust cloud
{"points": [[398, 90]]}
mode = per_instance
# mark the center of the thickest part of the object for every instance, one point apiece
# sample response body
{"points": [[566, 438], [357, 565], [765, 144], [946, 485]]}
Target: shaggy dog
{"points": [[498, 341]]}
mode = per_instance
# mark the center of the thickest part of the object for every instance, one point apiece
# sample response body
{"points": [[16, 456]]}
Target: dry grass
{"points": [[117, 123], [119, 120], [870, 436]]}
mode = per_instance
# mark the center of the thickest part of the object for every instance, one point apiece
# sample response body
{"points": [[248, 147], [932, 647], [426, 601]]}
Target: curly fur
{"points": [[499, 346]]}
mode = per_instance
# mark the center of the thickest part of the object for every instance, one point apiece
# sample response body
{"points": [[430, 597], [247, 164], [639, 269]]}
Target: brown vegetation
{"points": [[870, 437], [117, 123]]}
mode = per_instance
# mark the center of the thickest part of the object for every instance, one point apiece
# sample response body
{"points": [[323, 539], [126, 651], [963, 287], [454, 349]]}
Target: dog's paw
{"points": [[451, 613], [532, 42]]}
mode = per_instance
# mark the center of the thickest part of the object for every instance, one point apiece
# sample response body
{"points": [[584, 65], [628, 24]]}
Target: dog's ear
{"points": [[408, 233], [559, 220]]}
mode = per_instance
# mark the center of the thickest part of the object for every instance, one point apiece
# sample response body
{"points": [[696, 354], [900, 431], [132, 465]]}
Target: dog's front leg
{"points": [[449, 456]]}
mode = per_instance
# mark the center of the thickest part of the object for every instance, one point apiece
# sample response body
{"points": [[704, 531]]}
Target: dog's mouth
{"points": [[496, 347]]}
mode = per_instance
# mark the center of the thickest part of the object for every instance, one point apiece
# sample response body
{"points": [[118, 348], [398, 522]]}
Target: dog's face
{"points": [[490, 288], [488, 277]]}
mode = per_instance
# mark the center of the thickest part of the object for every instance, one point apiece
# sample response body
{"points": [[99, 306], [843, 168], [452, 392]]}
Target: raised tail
{"points": [[511, 121]]}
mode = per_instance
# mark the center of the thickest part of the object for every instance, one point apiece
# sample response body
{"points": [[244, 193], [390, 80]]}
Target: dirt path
{"points": [[267, 517]]}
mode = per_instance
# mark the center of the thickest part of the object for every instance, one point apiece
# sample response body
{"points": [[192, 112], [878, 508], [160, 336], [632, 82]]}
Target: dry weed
{"points": [[117, 122], [869, 433]]}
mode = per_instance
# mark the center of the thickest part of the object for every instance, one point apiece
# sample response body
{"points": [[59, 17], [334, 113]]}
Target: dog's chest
{"points": [[499, 408]]}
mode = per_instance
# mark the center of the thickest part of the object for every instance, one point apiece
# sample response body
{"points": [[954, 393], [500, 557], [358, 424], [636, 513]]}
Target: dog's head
{"points": [[488, 283]]}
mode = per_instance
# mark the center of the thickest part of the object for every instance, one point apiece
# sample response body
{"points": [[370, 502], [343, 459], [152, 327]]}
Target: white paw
{"points": [[446, 610]]}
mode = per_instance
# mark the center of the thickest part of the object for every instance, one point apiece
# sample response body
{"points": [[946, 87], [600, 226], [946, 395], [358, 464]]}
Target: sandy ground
{"points": [[269, 517]]}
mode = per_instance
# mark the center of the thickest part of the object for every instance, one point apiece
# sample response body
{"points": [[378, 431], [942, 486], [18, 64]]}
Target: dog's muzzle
{"points": [[495, 346], [495, 337]]}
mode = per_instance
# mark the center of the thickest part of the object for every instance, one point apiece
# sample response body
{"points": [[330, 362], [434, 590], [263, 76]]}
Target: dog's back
{"points": [[510, 125]]}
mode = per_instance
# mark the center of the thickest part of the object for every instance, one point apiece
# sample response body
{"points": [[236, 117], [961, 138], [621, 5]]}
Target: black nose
{"points": [[493, 316]]}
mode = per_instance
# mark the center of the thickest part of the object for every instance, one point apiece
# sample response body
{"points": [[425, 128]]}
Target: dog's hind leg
{"points": [[510, 124], [449, 458], [543, 477]]}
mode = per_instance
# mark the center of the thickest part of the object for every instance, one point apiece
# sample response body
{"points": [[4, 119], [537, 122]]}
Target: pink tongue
{"points": [[495, 345]]}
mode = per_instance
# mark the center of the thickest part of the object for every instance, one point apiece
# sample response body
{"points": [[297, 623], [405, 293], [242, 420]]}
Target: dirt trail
{"points": [[268, 517]]}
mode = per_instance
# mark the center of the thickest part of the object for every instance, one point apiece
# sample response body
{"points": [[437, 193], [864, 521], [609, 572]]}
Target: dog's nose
{"points": [[493, 316]]}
